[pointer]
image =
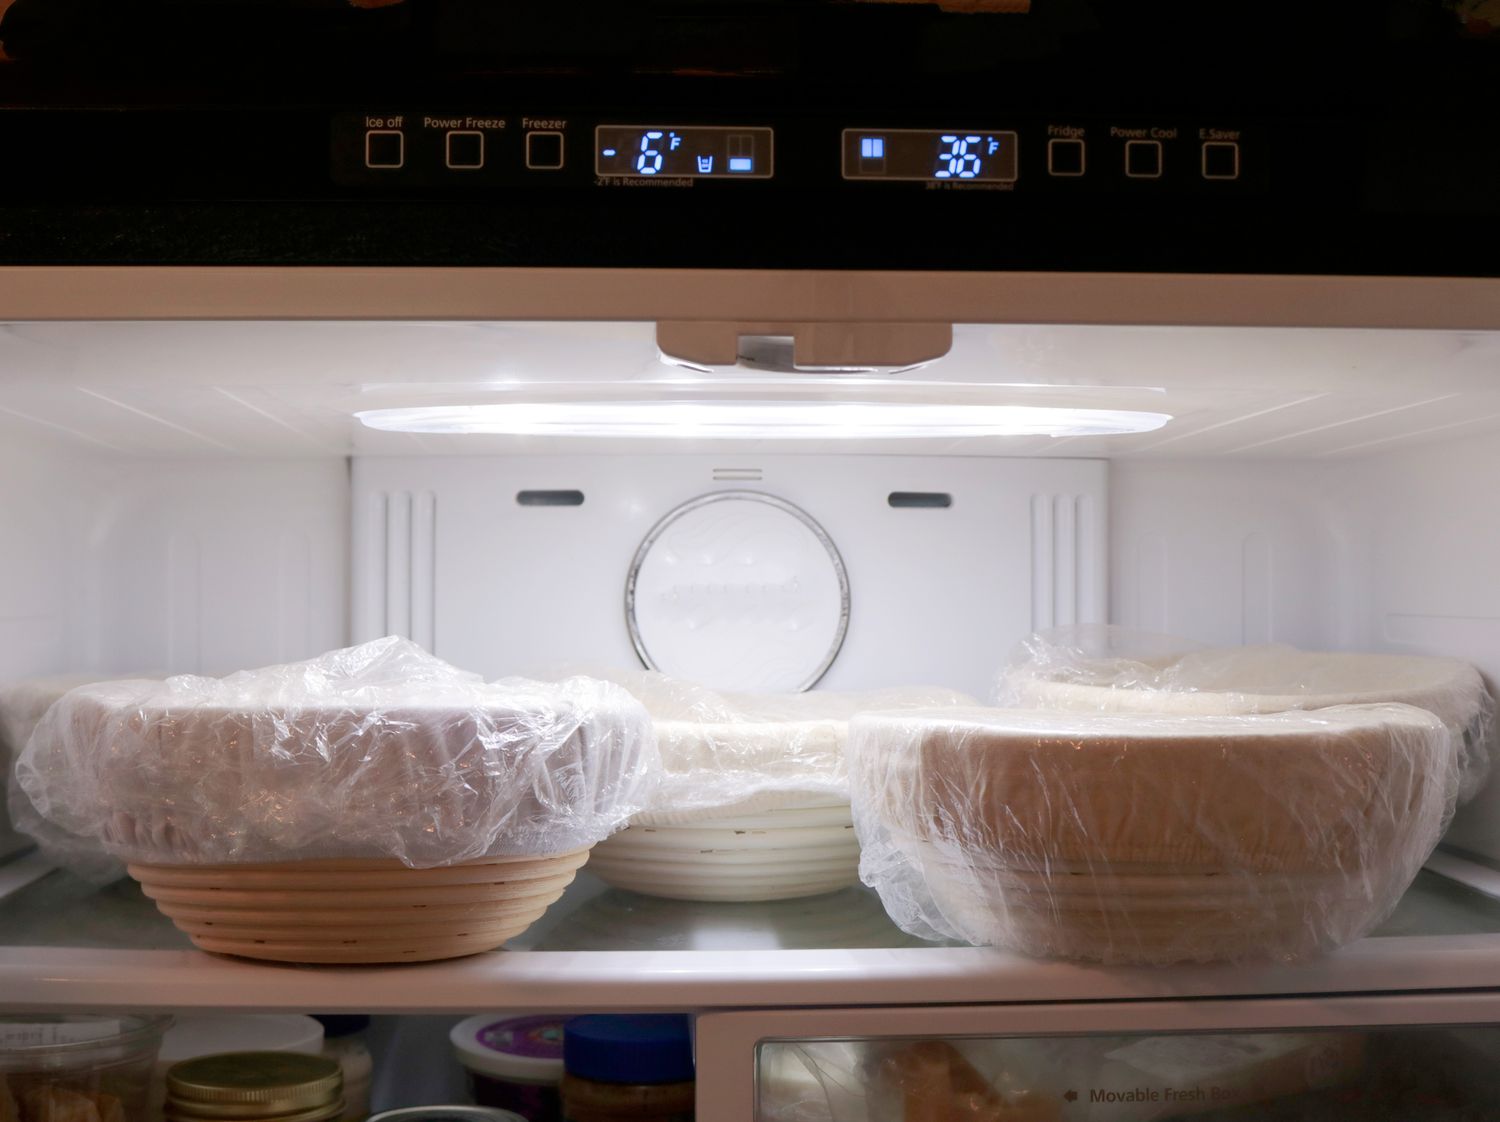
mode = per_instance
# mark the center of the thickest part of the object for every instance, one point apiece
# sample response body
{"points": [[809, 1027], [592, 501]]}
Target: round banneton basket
{"points": [[1139, 839], [358, 911], [774, 855]]}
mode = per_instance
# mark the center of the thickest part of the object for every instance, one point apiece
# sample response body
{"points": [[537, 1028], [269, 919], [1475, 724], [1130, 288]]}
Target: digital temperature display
{"points": [[683, 152], [931, 155]]}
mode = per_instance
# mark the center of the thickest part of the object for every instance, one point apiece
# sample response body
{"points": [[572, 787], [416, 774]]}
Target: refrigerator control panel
{"points": [[462, 152]]}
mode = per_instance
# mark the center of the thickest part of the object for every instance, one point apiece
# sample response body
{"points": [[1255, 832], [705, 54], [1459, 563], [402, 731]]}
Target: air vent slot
{"points": [[550, 498], [920, 500], [739, 475]]}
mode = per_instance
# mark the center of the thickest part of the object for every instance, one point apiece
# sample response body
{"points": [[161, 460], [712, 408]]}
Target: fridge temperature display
{"points": [[931, 155], [683, 152]]}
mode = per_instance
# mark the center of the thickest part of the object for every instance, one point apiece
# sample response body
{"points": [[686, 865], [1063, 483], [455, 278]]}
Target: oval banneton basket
{"points": [[365, 911]]}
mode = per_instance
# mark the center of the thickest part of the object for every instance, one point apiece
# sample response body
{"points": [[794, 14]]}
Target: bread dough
{"points": [[1262, 679]]}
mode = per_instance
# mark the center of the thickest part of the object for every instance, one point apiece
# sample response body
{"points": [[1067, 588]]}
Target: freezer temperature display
{"points": [[683, 152], [931, 155]]}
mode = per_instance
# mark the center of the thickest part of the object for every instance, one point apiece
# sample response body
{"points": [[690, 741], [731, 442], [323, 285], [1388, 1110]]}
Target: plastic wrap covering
{"points": [[1111, 669], [376, 751], [22, 706], [1140, 839], [727, 754]]}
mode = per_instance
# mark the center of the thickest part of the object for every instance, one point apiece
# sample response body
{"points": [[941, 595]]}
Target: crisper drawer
{"points": [[1434, 1058]]}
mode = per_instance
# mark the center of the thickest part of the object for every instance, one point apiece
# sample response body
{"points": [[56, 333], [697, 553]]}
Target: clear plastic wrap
{"points": [[726, 754], [1118, 670], [22, 706], [375, 751], [1149, 839]]}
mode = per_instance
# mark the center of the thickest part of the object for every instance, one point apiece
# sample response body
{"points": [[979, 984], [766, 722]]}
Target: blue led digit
{"points": [[650, 160], [946, 158], [969, 164], [957, 158]]}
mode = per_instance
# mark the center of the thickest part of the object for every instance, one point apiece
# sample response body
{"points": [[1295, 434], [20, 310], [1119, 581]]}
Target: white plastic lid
{"points": [[191, 1037], [512, 1047]]}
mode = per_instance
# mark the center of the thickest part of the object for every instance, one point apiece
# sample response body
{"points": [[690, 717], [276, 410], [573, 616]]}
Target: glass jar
{"points": [[72, 1065], [628, 1069], [255, 1087], [515, 1063]]}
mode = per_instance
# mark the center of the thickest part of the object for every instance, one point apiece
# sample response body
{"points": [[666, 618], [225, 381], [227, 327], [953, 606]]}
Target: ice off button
{"points": [[544, 151], [1143, 159], [1066, 158], [1221, 160], [465, 149], [384, 148]]}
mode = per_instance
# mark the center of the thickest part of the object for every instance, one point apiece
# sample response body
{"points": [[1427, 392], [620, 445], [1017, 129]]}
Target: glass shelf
{"points": [[65, 943], [60, 910]]}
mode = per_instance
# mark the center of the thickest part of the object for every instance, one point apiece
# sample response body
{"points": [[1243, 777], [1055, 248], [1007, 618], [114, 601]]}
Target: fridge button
{"points": [[1066, 158]]}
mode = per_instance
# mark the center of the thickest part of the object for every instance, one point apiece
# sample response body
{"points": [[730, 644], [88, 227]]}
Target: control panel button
{"points": [[384, 148], [465, 149], [1143, 159], [1066, 157], [1221, 159], [544, 151]]}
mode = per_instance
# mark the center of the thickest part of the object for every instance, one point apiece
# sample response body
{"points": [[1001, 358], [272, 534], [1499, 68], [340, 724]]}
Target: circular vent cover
{"points": [[738, 591]]}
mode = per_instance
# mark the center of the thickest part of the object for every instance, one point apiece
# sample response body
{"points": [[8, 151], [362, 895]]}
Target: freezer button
{"points": [[385, 149], [544, 150]]}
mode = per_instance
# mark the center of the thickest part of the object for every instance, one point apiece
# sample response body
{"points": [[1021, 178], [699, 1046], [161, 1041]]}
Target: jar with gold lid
{"points": [[255, 1087]]}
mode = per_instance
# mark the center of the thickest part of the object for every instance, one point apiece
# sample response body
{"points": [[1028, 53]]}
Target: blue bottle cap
{"points": [[641, 1048]]}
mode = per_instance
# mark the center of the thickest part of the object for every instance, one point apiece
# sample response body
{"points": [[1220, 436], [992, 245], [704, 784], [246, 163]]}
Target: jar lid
{"points": [[446, 1114], [336, 1025], [641, 1048], [216, 1035], [517, 1049], [177, 1111], [254, 1084]]}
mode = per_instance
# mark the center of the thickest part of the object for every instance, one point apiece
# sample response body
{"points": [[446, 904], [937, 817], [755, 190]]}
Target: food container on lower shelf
{"points": [[513, 1062], [194, 1036], [1139, 839], [255, 1087], [447, 1114], [372, 805], [344, 1042], [78, 1067], [630, 1068]]}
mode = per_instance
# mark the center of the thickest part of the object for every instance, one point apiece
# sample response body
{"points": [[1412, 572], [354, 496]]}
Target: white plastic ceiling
{"points": [[291, 389]]}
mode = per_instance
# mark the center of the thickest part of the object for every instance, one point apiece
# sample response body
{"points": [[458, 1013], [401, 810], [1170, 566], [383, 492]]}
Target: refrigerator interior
{"points": [[198, 497]]}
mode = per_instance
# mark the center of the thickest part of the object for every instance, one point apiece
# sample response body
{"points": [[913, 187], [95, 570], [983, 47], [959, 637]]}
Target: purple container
{"points": [[514, 1063]]}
